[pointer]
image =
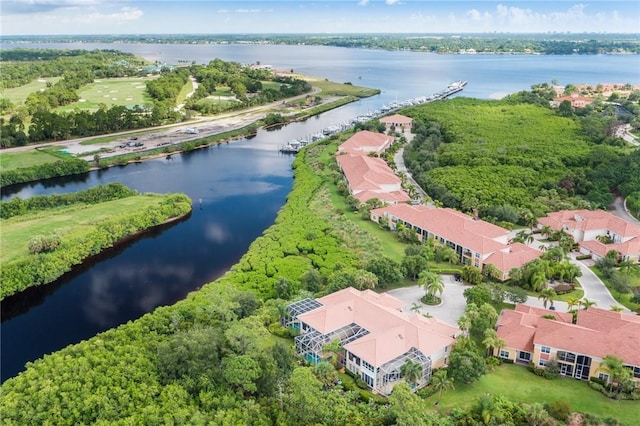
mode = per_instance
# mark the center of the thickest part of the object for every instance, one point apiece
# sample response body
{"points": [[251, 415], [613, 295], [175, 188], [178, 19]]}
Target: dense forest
{"points": [[517, 158], [551, 44]]}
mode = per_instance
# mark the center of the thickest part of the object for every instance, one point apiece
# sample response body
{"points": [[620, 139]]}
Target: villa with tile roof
{"points": [[366, 142], [398, 123], [575, 99], [591, 228], [371, 177], [475, 241], [578, 348], [377, 337]]}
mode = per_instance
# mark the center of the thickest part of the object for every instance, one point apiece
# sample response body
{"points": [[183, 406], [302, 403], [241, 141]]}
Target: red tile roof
{"points": [[454, 226], [366, 142], [396, 119], [391, 332], [590, 220], [386, 197], [367, 173], [598, 332], [513, 256]]}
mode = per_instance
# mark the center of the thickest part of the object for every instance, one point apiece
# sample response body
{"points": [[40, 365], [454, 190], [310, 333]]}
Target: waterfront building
{"points": [[398, 123], [475, 241], [376, 336], [366, 142]]}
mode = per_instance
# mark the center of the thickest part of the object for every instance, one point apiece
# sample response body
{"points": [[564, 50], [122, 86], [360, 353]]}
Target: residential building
{"points": [[366, 142], [597, 232], [376, 336], [398, 123], [475, 241], [538, 335], [575, 99], [371, 177]]}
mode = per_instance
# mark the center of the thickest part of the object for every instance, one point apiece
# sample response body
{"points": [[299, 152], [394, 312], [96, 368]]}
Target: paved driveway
{"points": [[451, 308]]}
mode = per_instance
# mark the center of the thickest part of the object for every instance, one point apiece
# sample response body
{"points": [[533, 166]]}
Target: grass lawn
{"points": [[18, 95], [271, 85], [186, 89], [519, 384], [127, 91], [623, 299], [16, 160], [331, 88], [67, 221]]}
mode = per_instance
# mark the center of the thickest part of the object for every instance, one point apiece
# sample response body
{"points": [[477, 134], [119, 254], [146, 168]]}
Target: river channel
{"points": [[238, 188]]}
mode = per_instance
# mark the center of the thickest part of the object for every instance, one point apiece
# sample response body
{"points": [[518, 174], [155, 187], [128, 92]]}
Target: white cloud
{"points": [[38, 6], [363, 2], [391, 2], [125, 14], [248, 10], [223, 11]]}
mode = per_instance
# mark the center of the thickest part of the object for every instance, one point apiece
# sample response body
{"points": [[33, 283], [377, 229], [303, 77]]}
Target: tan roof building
{"points": [[530, 336], [366, 142], [398, 123], [477, 242], [377, 337], [589, 227], [575, 99], [371, 177]]}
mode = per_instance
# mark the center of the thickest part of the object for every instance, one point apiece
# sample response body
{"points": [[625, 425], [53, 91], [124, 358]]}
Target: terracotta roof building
{"points": [[377, 337], [475, 241], [575, 99], [531, 336], [398, 123], [371, 177], [597, 232], [366, 142]]}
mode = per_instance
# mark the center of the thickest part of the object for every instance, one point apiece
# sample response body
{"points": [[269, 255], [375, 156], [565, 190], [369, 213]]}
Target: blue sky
{"points": [[24, 17]]}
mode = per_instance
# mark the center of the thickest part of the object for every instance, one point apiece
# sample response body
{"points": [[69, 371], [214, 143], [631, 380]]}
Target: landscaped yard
{"points": [[519, 384], [339, 89], [623, 299]]}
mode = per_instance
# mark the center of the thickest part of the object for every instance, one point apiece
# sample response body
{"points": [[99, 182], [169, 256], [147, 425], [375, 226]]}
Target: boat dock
{"points": [[294, 146]]}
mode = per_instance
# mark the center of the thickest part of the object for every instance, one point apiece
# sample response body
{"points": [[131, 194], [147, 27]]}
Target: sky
{"points": [[58, 17]]}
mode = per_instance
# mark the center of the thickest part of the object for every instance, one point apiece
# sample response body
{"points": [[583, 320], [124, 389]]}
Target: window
{"points": [[525, 356], [603, 376], [545, 349], [504, 354], [542, 363], [635, 370], [566, 356], [367, 366], [477, 255]]}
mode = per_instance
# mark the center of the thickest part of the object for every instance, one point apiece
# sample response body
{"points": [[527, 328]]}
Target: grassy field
{"points": [[331, 88], [16, 160], [67, 222], [113, 91], [186, 89], [17, 95], [518, 384]]}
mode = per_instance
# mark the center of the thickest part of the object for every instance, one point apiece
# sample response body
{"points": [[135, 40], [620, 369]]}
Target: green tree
{"points": [[285, 289], [305, 402], [536, 415], [491, 341], [413, 265], [441, 383], [241, 372], [432, 284], [326, 373], [466, 365], [547, 296], [335, 349], [406, 407], [386, 269], [365, 280], [471, 275], [586, 303], [411, 372], [618, 373]]}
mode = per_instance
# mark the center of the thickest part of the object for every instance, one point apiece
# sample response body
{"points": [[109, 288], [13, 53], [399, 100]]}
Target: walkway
{"points": [[618, 208], [401, 168]]}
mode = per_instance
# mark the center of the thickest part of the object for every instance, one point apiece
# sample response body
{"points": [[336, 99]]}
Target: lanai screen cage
{"points": [[298, 308], [313, 341], [389, 372]]}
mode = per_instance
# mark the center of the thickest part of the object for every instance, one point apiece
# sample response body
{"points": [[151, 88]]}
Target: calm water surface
{"points": [[238, 188]]}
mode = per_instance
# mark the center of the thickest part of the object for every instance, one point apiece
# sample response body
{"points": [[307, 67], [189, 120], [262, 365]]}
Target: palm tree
{"points": [[335, 349], [546, 230], [491, 272], [411, 371], [441, 383], [325, 373], [586, 303], [573, 302], [614, 366], [464, 324], [547, 296], [432, 284], [627, 265], [617, 308], [492, 341]]}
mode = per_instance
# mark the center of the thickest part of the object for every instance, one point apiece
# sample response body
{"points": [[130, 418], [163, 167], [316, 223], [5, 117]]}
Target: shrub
{"points": [[551, 370], [44, 244], [559, 410]]}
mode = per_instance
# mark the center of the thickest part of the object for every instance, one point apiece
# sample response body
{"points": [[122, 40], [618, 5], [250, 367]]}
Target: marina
{"points": [[295, 145]]}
